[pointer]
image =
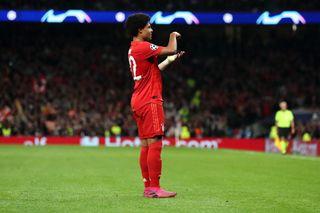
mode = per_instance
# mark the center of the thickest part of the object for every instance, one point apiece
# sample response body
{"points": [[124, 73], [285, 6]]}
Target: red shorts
{"points": [[150, 120]]}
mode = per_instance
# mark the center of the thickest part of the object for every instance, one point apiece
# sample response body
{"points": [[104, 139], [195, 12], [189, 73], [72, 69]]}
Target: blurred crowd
{"points": [[167, 5], [74, 80]]}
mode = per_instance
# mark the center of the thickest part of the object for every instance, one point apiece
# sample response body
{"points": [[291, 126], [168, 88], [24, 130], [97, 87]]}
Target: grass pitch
{"points": [[81, 179]]}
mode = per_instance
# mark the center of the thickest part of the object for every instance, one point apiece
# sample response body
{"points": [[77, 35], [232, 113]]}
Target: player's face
{"points": [[283, 105], [146, 32]]}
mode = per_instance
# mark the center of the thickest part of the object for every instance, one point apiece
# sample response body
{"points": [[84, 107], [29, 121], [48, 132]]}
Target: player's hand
{"points": [[177, 35], [176, 56], [293, 131]]}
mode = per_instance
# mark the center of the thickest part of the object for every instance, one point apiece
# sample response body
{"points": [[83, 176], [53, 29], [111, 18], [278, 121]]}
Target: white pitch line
{"points": [[312, 158]]}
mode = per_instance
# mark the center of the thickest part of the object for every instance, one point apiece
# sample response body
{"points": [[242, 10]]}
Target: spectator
{"points": [[73, 80]]}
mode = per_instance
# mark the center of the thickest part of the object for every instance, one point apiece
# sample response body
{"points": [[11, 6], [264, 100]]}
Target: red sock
{"points": [[155, 163], [144, 165]]}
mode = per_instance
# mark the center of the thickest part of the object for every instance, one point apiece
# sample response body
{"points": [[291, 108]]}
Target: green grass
{"points": [[79, 179]]}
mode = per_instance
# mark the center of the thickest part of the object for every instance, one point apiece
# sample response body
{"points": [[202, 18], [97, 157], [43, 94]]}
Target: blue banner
{"points": [[159, 17]]}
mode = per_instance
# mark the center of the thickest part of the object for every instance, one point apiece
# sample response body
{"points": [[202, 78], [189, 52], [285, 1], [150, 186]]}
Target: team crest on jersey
{"points": [[153, 47]]}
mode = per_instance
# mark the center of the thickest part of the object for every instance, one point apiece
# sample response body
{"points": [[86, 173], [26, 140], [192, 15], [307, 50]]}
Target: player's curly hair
{"points": [[135, 22]]}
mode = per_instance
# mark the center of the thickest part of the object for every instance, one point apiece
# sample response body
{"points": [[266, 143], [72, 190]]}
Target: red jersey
{"points": [[143, 61]]}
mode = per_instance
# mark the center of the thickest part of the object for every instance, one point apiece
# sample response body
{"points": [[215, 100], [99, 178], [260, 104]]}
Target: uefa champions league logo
{"points": [[153, 47], [295, 17], [188, 17], [51, 17]]}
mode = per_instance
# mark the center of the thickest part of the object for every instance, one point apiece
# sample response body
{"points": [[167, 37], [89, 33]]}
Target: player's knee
{"points": [[154, 139]]}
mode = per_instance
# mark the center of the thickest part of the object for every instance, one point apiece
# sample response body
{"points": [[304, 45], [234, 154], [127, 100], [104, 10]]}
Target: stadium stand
{"points": [[74, 80]]}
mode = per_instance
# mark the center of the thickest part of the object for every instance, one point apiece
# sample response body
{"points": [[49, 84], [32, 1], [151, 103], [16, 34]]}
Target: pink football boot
{"points": [[149, 193], [155, 192]]}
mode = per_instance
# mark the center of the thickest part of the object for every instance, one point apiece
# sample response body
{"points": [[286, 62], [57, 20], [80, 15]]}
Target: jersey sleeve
{"points": [[276, 118], [148, 50], [291, 116]]}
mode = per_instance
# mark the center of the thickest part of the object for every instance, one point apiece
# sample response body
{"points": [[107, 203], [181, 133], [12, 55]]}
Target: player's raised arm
{"points": [[169, 60], [171, 48]]}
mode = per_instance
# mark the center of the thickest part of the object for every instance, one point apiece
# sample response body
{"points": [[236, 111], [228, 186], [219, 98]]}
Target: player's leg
{"points": [[144, 149], [155, 130], [284, 140], [151, 129], [155, 168], [144, 162], [277, 143], [283, 145], [154, 160]]}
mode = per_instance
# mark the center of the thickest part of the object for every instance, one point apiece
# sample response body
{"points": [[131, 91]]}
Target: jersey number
{"points": [[133, 68]]}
